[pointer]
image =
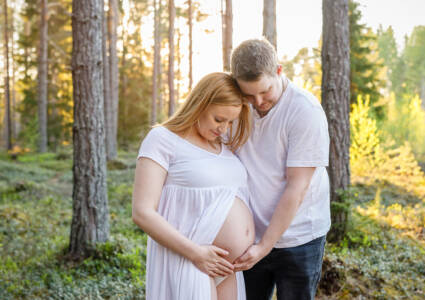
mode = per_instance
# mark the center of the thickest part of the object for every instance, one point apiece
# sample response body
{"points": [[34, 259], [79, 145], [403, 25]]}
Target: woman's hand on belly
{"points": [[211, 260]]}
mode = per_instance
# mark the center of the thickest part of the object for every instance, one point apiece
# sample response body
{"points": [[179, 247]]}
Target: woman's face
{"points": [[216, 119]]}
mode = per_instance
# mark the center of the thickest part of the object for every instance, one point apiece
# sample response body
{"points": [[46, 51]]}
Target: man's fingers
{"points": [[243, 258], [240, 267]]}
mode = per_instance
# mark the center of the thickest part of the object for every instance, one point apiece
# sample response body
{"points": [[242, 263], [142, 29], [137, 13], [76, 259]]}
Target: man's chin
{"points": [[263, 110]]}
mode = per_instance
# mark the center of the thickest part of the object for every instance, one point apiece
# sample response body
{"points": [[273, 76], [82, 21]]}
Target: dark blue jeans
{"points": [[295, 272]]}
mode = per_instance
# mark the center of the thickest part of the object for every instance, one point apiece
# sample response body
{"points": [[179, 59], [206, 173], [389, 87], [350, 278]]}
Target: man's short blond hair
{"points": [[252, 59]]}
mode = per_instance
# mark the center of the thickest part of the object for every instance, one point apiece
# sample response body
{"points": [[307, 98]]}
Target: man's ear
{"points": [[279, 69]]}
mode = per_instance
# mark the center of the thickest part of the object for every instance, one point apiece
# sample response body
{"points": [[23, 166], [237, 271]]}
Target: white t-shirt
{"points": [[294, 133]]}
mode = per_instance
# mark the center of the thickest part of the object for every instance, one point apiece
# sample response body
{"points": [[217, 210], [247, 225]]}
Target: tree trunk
{"points": [[269, 21], [90, 224], [160, 104], [189, 2], [227, 34], [107, 100], [124, 81], [155, 65], [179, 63], [42, 80], [8, 125], [171, 15], [112, 119], [336, 103], [13, 115]]}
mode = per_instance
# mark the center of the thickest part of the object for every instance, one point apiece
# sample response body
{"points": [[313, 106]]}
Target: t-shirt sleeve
{"points": [[308, 139], [158, 147]]}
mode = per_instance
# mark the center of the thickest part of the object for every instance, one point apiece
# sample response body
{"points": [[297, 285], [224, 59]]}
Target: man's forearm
{"points": [[283, 215]]}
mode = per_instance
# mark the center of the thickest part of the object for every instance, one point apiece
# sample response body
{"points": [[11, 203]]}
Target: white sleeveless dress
{"points": [[196, 198]]}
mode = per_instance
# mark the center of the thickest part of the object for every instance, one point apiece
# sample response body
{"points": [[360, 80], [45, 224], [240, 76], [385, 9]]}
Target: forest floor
{"points": [[380, 258]]}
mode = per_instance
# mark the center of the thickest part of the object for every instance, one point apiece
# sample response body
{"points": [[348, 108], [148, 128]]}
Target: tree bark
{"points": [[42, 80], [8, 123], [189, 2], [227, 23], [269, 21], [336, 103], [112, 119], [171, 16], [155, 65], [90, 224]]}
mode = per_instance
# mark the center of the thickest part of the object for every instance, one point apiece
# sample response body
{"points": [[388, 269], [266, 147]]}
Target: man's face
{"points": [[264, 93]]}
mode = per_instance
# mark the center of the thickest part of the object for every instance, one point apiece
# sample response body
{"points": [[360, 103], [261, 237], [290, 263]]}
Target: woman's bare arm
{"points": [[148, 183]]}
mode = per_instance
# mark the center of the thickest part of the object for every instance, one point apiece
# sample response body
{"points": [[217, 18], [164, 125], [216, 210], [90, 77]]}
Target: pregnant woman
{"points": [[190, 196]]}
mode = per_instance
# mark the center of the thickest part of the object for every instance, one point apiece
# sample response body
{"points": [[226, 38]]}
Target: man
{"points": [[286, 158]]}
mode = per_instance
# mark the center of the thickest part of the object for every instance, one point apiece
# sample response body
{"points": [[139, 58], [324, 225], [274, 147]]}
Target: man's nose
{"points": [[258, 100]]}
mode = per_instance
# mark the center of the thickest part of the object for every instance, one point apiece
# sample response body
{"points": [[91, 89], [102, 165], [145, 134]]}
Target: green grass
{"points": [[375, 260], [35, 220]]}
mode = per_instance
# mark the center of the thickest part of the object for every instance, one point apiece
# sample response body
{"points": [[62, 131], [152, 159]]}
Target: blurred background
{"points": [[381, 256]]}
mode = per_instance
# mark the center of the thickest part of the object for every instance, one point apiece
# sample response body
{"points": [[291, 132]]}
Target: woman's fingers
{"points": [[226, 270], [225, 263], [220, 251]]}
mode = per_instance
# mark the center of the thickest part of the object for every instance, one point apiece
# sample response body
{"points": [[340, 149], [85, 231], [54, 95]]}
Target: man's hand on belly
{"points": [[251, 256]]}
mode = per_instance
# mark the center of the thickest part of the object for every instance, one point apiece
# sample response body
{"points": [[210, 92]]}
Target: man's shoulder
{"points": [[302, 98]]}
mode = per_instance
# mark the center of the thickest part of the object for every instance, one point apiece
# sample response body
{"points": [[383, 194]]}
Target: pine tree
{"points": [[90, 224], [336, 103], [364, 59]]}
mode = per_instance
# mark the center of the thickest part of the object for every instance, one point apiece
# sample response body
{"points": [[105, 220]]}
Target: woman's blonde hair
{"points": [[219, 89]]}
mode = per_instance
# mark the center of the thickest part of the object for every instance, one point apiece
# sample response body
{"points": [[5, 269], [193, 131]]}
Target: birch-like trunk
{"points": [[156, 63], [113, 77], [227, 23], [171, 93], [189, 3], [107, 100]]}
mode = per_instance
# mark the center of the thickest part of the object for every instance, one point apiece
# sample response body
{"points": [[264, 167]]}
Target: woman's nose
{"points": [[222, 127]]}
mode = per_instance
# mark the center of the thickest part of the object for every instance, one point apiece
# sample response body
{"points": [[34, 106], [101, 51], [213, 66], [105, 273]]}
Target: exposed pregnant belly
{"points": [[237, 232]]}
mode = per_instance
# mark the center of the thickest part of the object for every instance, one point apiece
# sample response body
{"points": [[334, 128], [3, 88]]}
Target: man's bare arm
{"points": [[297, 185]]}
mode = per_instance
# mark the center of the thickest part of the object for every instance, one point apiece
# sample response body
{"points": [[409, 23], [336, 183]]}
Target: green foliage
{"points": [[372, 160], [405, 121], [59, 76], [414, 55], [365, 63], [305, 69], [392, 61]]}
